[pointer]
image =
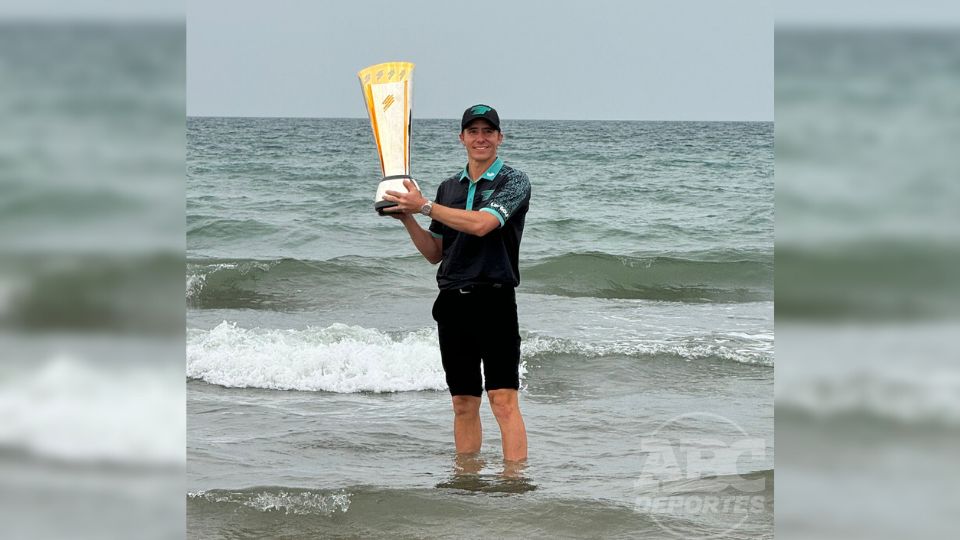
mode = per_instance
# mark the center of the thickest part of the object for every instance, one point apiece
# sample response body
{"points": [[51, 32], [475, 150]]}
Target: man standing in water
{"points": [[477, 222]]}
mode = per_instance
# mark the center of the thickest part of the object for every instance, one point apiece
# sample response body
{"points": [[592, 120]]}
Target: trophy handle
{"points": [[392, 183]]}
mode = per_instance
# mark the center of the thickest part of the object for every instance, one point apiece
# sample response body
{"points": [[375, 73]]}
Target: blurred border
{"points": [[868, 387], [91, 270]]}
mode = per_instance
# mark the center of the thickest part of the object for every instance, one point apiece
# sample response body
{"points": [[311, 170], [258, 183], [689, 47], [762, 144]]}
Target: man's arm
{"points": [[431, 248], [472, 222]]}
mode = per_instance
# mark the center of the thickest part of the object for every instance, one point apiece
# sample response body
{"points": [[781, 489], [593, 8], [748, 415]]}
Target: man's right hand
{"points": [[408, 202], [402, 216]]}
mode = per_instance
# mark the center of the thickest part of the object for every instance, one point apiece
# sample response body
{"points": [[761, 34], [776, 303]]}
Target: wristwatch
{"points": [[427, 208]]}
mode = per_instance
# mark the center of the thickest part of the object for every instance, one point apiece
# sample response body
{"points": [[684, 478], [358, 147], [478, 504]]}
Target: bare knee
{"points": [[504, 403], [466, 406]]}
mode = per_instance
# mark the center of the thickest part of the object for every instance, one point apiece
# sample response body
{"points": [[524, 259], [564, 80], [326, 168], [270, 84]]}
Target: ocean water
{"points": [[316, 402]]}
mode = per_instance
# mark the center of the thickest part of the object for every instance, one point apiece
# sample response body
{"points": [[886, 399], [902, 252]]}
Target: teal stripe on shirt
{"points": [[494, 212], [470, 194]]}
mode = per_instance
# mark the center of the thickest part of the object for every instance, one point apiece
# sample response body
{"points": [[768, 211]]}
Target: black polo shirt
{"points": [[470, 260]]}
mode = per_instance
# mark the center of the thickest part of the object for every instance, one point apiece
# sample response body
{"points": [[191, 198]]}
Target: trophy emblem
{"points": [[388, 92]]}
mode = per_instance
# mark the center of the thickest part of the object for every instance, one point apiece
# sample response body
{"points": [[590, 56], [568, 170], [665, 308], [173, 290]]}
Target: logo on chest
{"points": [[486, 194]]}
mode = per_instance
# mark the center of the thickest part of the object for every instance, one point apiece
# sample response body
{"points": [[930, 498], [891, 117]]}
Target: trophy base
{"points": [[391, 183], [380, 206]]}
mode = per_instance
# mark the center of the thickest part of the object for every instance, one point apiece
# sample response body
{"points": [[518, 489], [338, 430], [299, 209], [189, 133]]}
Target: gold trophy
{"points": [[388, 92]]}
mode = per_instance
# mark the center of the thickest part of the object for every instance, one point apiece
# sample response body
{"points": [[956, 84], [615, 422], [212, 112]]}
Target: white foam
{"points": [[197, 276], [297, 503], [195, 284], [73, 410], [338, 358], [738, 347]]}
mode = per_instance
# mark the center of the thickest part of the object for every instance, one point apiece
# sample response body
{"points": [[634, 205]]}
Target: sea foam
{"points": [[289, 501], [739, 347], [339, 358]]}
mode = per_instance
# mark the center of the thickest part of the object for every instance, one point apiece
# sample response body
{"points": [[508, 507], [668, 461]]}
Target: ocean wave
{"points": [[736, 347], [338, 358], [289, 501], [237, 283], [227, 274], [730, 276], [677, 483], [231, 228], [348, 359], [723, 276], [442, 511]]}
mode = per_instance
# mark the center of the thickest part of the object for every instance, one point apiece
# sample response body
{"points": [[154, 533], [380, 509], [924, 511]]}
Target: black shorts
{"points": [[478, 325]]}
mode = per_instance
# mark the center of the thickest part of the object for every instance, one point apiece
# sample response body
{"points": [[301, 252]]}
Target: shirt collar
{"points": [[490, 173]]}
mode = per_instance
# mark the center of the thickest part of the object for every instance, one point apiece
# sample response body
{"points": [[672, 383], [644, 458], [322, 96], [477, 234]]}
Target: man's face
{"points": [[481, 140]]}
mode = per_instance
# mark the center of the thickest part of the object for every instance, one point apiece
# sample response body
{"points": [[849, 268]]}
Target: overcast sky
{"points": [[531, 59]]}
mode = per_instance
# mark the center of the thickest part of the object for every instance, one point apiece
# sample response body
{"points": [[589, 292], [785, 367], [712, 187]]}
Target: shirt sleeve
{"points": [[436, 228], [512, 195]]}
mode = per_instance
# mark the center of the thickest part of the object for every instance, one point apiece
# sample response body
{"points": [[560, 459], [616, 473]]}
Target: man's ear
{"points": [[461, 138]]}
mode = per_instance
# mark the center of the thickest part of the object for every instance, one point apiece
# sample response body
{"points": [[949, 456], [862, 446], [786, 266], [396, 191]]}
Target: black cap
{"points": [[486, 112]]}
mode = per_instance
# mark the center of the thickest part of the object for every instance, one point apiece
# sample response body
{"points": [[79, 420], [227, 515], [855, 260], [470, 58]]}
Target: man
{"points": [[477, 222]]}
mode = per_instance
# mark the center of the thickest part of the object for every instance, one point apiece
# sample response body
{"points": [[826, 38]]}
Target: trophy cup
{"points": [[388, 92]]}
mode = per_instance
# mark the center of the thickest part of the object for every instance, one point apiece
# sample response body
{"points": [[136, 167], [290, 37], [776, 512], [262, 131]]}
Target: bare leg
{"points": [[513, 434], [467, 433]]}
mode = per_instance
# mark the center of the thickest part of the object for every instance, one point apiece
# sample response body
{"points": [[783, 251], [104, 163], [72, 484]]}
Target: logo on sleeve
{"points": [[500, 208]]}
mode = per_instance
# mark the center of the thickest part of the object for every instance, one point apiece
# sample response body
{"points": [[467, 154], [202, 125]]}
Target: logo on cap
{"points": [[480, 109]]}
